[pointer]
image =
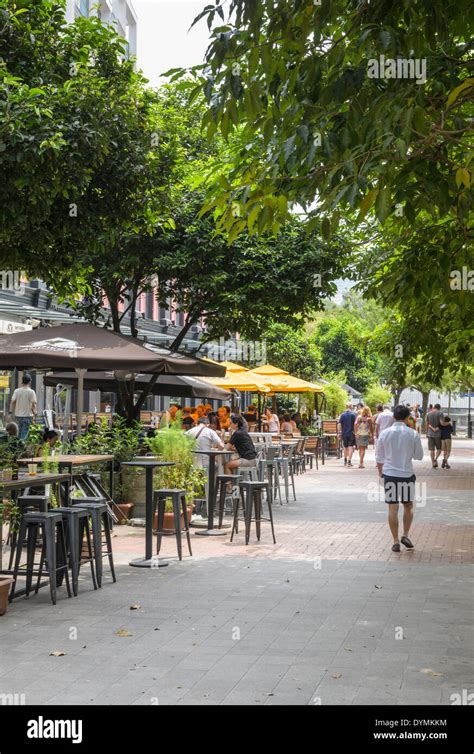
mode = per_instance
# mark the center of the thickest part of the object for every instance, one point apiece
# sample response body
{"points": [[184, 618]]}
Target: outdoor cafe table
{"points": [[210, 531], [68, 462], [149, 465], [29, 480]]}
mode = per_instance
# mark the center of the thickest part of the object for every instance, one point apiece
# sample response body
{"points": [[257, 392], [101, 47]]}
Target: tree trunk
{"points": [[424, 404]]}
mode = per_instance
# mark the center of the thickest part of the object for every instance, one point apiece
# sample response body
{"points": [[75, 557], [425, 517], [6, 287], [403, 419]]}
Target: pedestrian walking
{"points": [[23, 406], [345, 426], [433, 433], [397, 446], [447, 430]]}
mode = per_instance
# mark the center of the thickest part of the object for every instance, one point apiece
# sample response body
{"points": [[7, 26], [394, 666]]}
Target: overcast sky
{"points": [[164, 41]]}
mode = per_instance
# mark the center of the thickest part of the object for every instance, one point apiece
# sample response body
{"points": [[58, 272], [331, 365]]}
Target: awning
{"points": [[279, 381]]}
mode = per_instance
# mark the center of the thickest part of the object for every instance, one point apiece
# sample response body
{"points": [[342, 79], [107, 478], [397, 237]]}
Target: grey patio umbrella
{"points": [[167, 384], [78, 347]]}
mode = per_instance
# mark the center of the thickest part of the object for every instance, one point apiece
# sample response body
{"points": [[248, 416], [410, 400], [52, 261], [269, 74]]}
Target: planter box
{"points": [[5, 586], [125, 511]]}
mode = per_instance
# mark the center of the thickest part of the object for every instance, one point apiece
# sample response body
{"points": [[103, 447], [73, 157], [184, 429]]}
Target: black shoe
{"points": [[443, 464], [396, 547], [447, 466], [435, 465], [407, 542]]}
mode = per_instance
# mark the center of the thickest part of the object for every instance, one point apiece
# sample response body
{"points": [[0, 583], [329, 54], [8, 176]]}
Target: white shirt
{"points": [[384, 420], [24, 397], [207, 440], [274, 424], [396, 447]]}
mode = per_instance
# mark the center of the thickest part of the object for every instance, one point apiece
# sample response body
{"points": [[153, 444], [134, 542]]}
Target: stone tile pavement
{"points": [[329, 615]]}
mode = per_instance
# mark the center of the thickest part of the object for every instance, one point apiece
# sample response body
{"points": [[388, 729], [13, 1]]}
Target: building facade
{"points": [[118, 13]]}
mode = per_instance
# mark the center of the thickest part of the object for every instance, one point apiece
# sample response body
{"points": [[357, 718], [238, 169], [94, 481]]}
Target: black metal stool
{"points": [[39, 503], [51, 525], [99, 514], [178, 497], [251, 498], [221, 492], [77, 524]]}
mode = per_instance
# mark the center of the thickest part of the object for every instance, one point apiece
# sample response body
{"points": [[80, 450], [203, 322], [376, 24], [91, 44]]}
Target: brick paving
{"points": [[327, 615]]}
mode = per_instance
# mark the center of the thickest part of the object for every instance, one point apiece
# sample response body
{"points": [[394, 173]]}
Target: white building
{"points": [[119, 13]]}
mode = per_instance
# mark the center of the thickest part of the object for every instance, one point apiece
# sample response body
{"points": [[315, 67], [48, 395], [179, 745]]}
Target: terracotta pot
{"points": [[5, 586], [168, 521], [125, 511]]}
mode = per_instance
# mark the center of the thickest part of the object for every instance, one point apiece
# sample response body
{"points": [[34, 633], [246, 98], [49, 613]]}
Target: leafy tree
{"points": [[344, 347], [319, 116], [289, 349], [335, 396], [69, 102], [375, 394]]}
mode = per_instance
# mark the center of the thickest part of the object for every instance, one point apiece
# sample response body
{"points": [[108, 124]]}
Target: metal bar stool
{"points": [[179, 498], [52, 528], [76, 522], [251, 498], [98, 511], [24, 502], [221, 492]]}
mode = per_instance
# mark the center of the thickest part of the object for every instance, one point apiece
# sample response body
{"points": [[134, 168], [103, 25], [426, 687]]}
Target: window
{"points": [[84, 7]]}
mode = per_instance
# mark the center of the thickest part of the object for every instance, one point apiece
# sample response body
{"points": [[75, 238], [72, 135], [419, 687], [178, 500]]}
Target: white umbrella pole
{"points": [[67, 415], [80, 399]]}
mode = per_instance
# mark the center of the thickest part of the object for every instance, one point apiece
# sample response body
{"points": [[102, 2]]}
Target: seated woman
{"points": [[286, 425], [50, 438], [242, 444]]}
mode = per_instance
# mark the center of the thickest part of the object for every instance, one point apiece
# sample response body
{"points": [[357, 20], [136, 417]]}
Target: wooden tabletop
{"points": [[38, 480], [74, 460]]}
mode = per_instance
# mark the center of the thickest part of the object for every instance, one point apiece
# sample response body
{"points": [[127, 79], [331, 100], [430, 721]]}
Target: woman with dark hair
{"points": [[214, 422], [242, 444]]}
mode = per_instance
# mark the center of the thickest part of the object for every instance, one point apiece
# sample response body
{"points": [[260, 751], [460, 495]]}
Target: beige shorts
{"points": [[247, 461], [446, 445]]}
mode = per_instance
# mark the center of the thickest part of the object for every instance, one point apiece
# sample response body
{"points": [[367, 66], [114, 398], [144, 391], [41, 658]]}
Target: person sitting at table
{"points": [[250, 415], [214, 423], [206, 438], [224, 417], [240, 442], [272, 421], [50, 438], [187, 422], [208, 409], [11, 442], [286, 425]]}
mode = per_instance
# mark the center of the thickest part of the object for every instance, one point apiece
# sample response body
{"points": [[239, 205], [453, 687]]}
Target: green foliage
{"points": [[289, 349], [294, 81], [118, 439], [345, 347], [172, 444], [376, 394], [336, 396]]}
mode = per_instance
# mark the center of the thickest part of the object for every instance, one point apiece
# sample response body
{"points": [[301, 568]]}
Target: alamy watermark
{"points": [[10, 280], [243, 351], [399, 68], [461, 280]]}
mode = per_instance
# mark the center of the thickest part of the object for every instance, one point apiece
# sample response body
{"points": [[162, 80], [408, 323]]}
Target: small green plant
{"points": [[172, 444], [34, 440], [117, 439]]}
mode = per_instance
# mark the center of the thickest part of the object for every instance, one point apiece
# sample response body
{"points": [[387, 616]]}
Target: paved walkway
{"points": [[327, 615]]}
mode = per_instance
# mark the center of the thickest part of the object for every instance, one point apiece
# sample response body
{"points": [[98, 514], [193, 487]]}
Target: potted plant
{"points": [[172, 444], [5, 586], [123, 442]]}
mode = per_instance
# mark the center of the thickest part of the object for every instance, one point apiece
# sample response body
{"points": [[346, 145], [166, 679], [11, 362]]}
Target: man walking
{"points": [[23, 406], [345, 426], [383, 420], [433, 433], [397, 446]]}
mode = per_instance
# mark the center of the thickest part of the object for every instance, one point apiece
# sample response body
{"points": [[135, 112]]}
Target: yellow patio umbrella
{"points": [[280, 381], [240, 381]]}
